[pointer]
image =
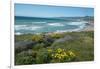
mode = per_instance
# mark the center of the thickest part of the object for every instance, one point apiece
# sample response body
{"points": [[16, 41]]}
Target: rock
{"points": [[24, 45], [47, 38]]}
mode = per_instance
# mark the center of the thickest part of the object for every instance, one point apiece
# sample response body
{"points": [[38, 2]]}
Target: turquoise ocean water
{"points": [[32, 25]]}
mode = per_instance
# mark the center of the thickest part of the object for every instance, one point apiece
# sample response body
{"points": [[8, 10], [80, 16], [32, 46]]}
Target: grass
{"points": [[81, 45]]}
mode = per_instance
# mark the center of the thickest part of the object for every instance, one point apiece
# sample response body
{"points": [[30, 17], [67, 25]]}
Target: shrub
{"points": [[37, 38], [38, 46], [54, 55], [56, 35], [25, 60], [62, 55], [43, 57], [25, 57]]}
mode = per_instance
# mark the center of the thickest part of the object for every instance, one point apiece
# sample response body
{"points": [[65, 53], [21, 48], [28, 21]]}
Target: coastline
{"points": [[90, 27], [80, 41]]}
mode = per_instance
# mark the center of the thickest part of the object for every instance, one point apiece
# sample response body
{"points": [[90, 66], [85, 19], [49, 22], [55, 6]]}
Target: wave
{"points": [[39, 22], [77, 23], [18, 33], [56, 24], [27, 27], [18, 27], [72, 30]]}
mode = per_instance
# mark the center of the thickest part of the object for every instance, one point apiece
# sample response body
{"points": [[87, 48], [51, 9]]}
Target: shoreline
{"points": [[89, 27]]}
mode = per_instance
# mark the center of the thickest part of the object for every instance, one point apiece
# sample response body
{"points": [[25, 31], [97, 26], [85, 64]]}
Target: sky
{"points": [[31, 10]]}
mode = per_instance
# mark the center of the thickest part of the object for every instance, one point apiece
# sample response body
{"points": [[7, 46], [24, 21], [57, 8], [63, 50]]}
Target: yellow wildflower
{"points": [[59, 50], [49, 50], [71, 53]]}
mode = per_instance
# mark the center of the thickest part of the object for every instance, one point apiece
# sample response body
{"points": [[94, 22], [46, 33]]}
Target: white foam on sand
{"points": [[55, 24]]}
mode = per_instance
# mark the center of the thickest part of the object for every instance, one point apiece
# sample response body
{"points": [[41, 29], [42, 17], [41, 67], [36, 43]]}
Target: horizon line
{"points": [[53, 17]]}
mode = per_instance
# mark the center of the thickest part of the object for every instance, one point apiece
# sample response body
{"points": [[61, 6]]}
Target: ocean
{"points": [[33, 25]]}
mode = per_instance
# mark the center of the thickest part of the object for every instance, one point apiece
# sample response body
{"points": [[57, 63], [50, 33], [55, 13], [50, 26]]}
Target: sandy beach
{"points": [[90, 27]]}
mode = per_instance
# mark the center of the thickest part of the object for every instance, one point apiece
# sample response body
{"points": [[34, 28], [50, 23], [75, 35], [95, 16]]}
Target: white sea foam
{"points": [[35, 27], [27, 27], [76, 23], [55, 24], [18, 33], [19, 27], [71, 30]]}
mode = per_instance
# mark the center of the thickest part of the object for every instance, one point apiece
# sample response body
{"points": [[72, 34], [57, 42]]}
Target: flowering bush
{"points": [[37, 38], [61, 55], [56, 35]]}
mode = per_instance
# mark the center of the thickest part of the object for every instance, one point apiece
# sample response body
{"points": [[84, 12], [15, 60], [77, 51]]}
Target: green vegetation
{"points": [[56, 48], [56, 35], [24, 37], [61, 55], [37, 38]]}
